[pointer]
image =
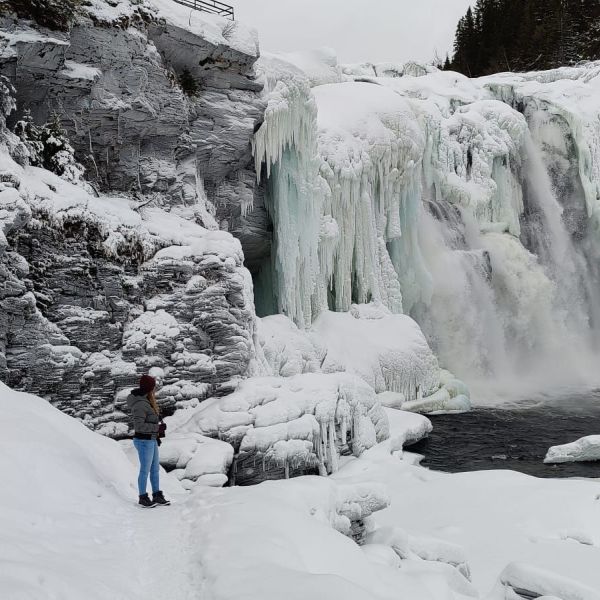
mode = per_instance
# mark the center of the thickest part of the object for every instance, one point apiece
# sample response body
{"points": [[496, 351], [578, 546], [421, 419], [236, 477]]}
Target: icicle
{"points": [[333, 455]]}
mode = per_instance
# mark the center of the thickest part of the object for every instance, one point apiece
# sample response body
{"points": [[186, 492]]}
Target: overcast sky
{"points": [[359, 30]]}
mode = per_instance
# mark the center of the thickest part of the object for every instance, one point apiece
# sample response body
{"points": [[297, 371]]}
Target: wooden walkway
{"points": [[210, 6]]}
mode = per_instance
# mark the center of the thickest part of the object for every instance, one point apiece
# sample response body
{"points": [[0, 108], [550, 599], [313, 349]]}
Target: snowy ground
{"points": [[71, 530]]}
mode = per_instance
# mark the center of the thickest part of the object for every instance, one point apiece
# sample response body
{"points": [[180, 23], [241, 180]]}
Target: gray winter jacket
{"points": [[145, 420]]}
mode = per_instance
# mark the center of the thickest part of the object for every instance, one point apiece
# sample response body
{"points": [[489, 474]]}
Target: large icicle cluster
{"points": [[287, 144], [383, 144]]}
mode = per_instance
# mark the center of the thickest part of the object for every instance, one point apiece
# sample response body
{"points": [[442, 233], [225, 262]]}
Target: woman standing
{"points": [[148, 430]]}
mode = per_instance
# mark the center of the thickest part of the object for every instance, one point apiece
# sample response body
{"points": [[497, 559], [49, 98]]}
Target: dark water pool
{"points": [[514, 438]]}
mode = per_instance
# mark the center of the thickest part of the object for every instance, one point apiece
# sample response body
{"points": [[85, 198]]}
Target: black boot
{"points": [[145, 502], [159, 499]]}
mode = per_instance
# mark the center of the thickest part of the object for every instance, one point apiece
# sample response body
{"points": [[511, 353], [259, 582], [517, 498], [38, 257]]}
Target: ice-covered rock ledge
{"points": [[582, 450], [388, 351], [282, 427]]}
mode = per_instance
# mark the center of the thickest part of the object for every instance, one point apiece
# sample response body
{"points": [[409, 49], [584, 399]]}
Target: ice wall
{"points": [[469, 204]]}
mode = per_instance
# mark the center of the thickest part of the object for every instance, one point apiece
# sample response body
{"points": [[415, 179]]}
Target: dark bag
{"points": [[162, 428]]}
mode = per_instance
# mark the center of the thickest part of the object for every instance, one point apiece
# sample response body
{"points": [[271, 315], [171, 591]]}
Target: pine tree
{"points": [[48, 147], [519, 35], [58, 154], [29, 134]]}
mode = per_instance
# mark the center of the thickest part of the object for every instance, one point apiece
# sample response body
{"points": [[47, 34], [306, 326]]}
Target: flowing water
{"points": [[514, 437]]}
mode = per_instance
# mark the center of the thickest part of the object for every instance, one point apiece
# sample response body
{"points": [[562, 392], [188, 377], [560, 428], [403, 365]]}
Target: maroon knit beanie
{"points": [[147, 383]]}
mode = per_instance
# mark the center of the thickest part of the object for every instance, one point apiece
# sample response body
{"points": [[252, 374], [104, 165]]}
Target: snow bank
{"points": [[584, 449], [406, 428], [68, 499], [279, 539], [60, 481], [491, 519]]}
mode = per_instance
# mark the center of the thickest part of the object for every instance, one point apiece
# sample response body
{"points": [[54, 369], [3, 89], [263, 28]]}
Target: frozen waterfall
{"points": [[443, 198]]}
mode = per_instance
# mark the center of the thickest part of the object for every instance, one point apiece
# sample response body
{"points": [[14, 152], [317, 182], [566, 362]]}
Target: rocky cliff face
{"points": [[117, 80], [97, 288], [95, 292]]}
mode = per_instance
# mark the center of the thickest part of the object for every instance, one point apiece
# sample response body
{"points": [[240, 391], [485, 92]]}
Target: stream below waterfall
{"points": [[514, 437]]}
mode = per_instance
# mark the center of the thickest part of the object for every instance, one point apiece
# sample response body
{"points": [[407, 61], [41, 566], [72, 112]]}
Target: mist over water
{"points": [[516, 317]]}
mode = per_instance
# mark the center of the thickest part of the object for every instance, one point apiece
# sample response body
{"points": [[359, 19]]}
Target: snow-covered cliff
{"points": [[157, 99]]}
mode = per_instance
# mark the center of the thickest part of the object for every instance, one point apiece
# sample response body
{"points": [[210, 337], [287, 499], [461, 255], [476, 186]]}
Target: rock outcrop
{"points": [[96, 290], [157, 100]]}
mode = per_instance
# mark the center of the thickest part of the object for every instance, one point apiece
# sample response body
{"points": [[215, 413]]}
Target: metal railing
{"points": [[210, 6]]}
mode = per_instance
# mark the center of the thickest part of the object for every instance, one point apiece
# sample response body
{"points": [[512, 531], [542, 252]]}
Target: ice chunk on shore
{"points": [[439, 403], [584, 449], [196, 454]]}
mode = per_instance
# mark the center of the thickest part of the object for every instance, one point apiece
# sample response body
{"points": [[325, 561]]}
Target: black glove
{"points": [[162, 428]]}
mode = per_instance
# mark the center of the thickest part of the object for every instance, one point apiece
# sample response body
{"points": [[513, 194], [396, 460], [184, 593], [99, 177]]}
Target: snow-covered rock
{"points": [[584, 449], [387, 351], [97, 290], [198, 457], [287, 349], [301, 423], [528, 581], [116, 79]]}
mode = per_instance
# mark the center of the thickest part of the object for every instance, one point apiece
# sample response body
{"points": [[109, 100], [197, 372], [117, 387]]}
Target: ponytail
{"points": [[152, 399]]}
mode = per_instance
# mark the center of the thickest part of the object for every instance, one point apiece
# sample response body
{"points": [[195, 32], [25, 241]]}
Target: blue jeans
{"points": [[148, 453]]}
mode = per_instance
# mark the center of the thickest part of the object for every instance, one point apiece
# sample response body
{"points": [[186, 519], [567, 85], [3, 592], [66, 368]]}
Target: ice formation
{"points": [[584, 449], [465, 203], [388, 351], [304, 421]]}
